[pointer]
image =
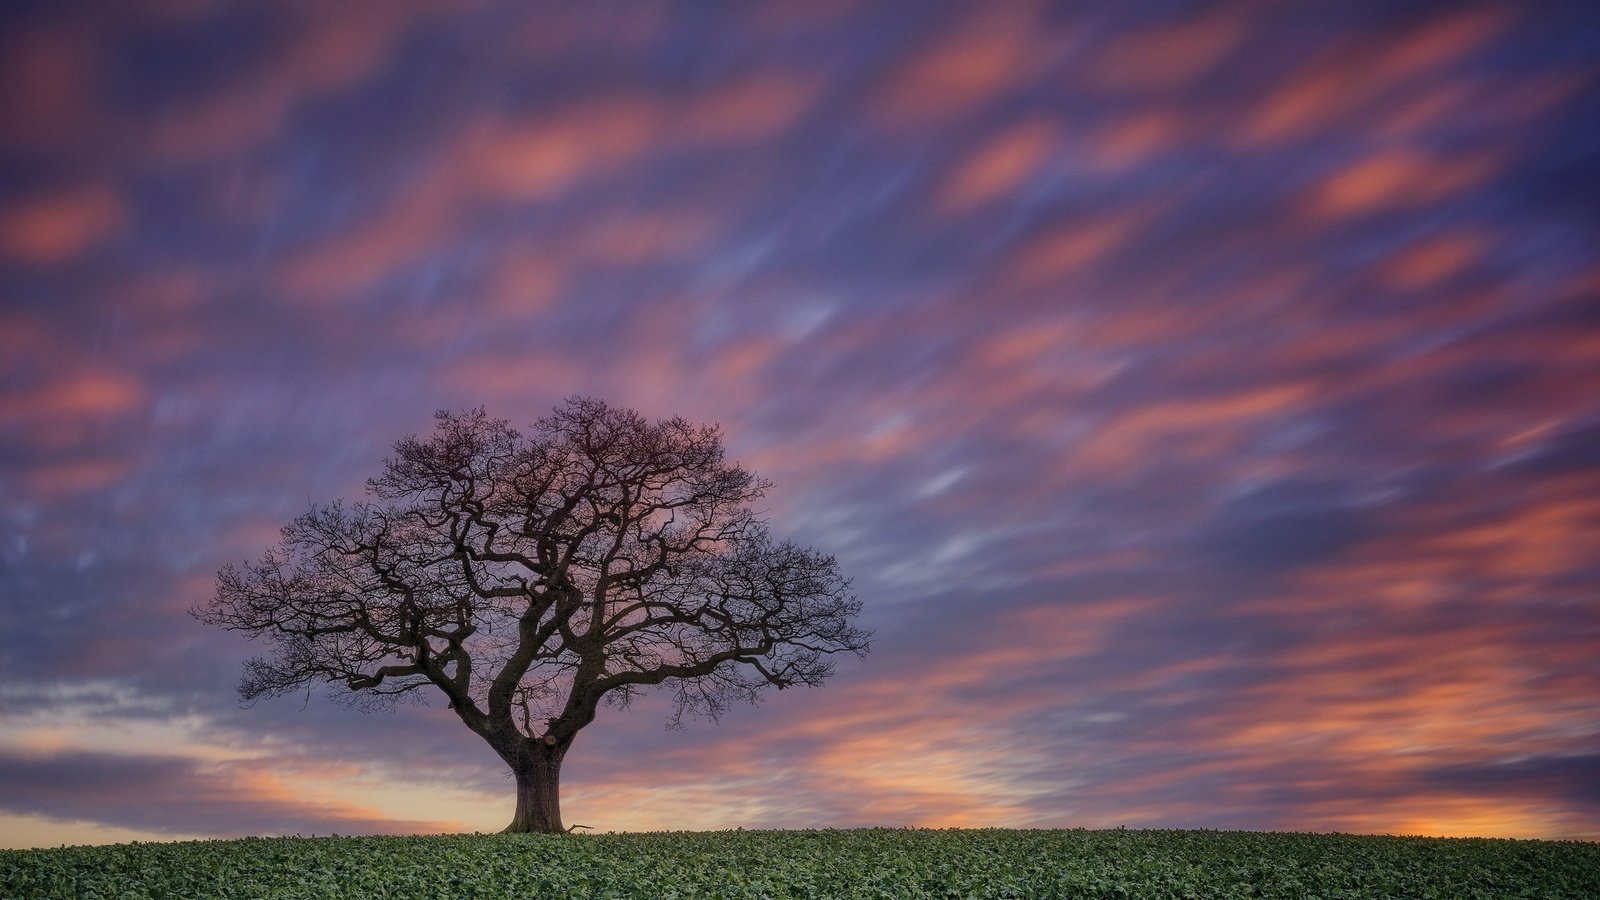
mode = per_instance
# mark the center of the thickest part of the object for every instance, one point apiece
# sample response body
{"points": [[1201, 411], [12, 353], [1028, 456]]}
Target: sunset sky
{"points": [[1204, 397]]}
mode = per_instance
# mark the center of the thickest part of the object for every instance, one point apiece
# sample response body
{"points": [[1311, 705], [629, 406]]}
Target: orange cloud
{"points": [[1442, 815], [1437, 259], [749, 109], [342, 44], [1353, 76], [1008, 372], [1196, 429], [59, 478], [359, 258], [524, 281], [1166, 57], [636, 238], [1429, 107], [1440, 41], [1304, 104], [58, 227], [989, 53], [495, 161], [530, 159], [286, 791], [1129, 140], [225, 122], [1395, 178], [89, 393], [1072, 248], [741, 362], [1027, 342], [335, 47], [1557, 366], [60, 425], [1424, 660], [561, 29], [902, 749], [46, 76], [999, 166], [1537, 540]]}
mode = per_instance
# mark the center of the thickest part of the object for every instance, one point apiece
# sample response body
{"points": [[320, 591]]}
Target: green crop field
{"points": [[861, 863]]}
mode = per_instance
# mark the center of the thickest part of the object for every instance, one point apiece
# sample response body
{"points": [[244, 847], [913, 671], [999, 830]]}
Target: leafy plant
{"points": [[864, 863]]}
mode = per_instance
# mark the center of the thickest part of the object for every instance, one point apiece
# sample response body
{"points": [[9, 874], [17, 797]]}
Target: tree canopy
{"points": [[529, 576]]}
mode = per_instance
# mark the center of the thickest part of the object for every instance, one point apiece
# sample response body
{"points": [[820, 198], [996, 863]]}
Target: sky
{"points": [[1204, 397]]}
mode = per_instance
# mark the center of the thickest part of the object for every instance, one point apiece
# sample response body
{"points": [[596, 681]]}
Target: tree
{"points": [[529, 577]]}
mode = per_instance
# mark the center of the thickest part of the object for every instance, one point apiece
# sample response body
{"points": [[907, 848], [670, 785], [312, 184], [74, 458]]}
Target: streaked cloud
{"points": [[1201, 400], [61, 225]]}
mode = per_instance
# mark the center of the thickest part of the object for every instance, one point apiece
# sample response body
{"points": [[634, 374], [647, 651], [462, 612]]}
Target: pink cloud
{"points": [[749, 109], [994, 50], [59, 227], [1167, 57], [46, 83], [999, 167], [526, 159], [1396, 178]]}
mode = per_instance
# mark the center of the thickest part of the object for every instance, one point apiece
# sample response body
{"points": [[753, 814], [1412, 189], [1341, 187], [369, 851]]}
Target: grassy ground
{"points": [[862, 863]]}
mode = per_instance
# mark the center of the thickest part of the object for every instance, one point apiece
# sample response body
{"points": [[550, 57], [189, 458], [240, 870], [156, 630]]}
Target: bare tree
{"points": [[531, 576]]}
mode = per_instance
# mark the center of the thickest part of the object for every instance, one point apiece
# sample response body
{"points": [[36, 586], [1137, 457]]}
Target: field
{"points": [[861, 863]]}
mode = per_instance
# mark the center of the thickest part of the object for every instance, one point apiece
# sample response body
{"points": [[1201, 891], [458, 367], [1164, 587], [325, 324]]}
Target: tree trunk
{"points": [[538, 772]]}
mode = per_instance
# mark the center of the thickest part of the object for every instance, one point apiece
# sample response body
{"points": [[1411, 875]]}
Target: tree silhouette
{"points": [[531, 576]]}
